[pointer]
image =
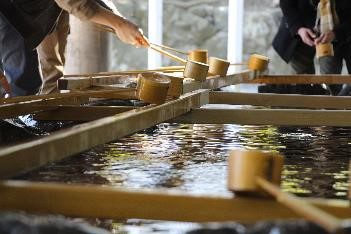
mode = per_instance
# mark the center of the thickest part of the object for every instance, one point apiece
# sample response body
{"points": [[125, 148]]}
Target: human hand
{"points": [[307, 36], [324, 38], [129, 33]]}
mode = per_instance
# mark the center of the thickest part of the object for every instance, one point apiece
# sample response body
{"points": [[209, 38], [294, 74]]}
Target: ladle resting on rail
{"points": [[254, 172], [193, 69], [219, 66], [196, 66]]}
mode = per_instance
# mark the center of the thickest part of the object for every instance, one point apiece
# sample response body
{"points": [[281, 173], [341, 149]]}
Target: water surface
{"points": [[192, 158]]}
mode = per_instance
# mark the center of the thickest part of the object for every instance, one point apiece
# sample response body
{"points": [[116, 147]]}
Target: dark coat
{"points": [[302, 13], [33, 19]]}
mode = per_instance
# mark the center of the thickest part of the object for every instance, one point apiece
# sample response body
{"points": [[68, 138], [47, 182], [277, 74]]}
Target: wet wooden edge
{"points": [[115, 203]]}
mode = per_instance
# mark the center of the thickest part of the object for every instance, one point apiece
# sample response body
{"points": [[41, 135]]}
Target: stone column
{"points": [[155, 26], [235, 30], [86, 49]]}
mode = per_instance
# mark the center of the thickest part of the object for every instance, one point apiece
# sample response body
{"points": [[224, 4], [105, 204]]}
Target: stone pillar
{"points": [[86, 49], [235, 30], [155, 28]]}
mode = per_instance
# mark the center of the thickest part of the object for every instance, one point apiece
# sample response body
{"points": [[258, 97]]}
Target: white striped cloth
{"points": [[326, 16]]}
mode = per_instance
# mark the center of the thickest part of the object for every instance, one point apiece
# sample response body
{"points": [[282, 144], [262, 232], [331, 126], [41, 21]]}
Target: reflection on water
{"points": [[193, 158], [178, 156]]}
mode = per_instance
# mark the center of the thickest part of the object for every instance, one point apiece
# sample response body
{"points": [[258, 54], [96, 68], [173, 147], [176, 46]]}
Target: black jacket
{"points": [[302, 13], [34, 19]]}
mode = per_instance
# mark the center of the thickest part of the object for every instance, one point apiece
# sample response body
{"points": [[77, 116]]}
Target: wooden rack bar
{"points": [[216, 82], [131, 72], [27, 156], [81, 113], [80, 83], [281, 100], [14, 109], [277, 117], [118, 94], [107, 202], [111, 123], [302, 79]]}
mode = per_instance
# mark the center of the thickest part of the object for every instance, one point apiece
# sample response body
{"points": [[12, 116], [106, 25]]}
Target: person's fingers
{"points": [[142, 41], [318, 40], [307, 37], [311, 33], [308, 41], [324, 39], [146, 41]]}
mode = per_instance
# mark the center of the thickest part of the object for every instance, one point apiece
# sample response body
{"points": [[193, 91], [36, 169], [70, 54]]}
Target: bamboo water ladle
{"points": [[257, 171], [324, 49], [197, 55], [217, 66], [197, 71], [193, 69], [256, 62], [151, 89]]}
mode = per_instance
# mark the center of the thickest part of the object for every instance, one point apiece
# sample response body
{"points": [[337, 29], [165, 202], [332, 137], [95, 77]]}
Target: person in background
{"points": [[25, 23], [296, 38]]}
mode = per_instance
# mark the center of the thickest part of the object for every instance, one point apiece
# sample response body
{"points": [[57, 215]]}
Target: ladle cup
{"points": [[251, 172]]}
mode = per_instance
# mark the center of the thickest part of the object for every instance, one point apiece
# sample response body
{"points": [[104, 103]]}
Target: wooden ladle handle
{"points": [[329, 222], [170, 48], [172, 56]]}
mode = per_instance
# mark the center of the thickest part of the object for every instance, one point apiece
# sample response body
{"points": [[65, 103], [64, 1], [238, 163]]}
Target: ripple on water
{"points": [[177, 156], [193, 158]]}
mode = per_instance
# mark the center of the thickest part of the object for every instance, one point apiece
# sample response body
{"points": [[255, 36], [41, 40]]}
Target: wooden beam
{"points": [[301, 79], [27, 156], [131, 72], [278, 117], [14, 109], [213, 82], [77, 94], [81, 113], [64, 99], [230, 79], [89, 201], [216, 82], [281, 100], [80, 83], [115, 83]]}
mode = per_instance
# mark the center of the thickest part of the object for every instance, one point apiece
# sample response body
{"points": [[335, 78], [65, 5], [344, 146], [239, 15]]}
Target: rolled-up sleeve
{"points": [[83, 9]]}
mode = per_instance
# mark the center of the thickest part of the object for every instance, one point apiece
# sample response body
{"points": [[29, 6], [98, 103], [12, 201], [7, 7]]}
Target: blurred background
{"points": [[230, 29]]}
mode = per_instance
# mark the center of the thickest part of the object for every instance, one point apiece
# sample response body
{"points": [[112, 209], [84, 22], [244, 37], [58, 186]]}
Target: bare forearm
{"points": [[107, 18], [125, 30]]}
